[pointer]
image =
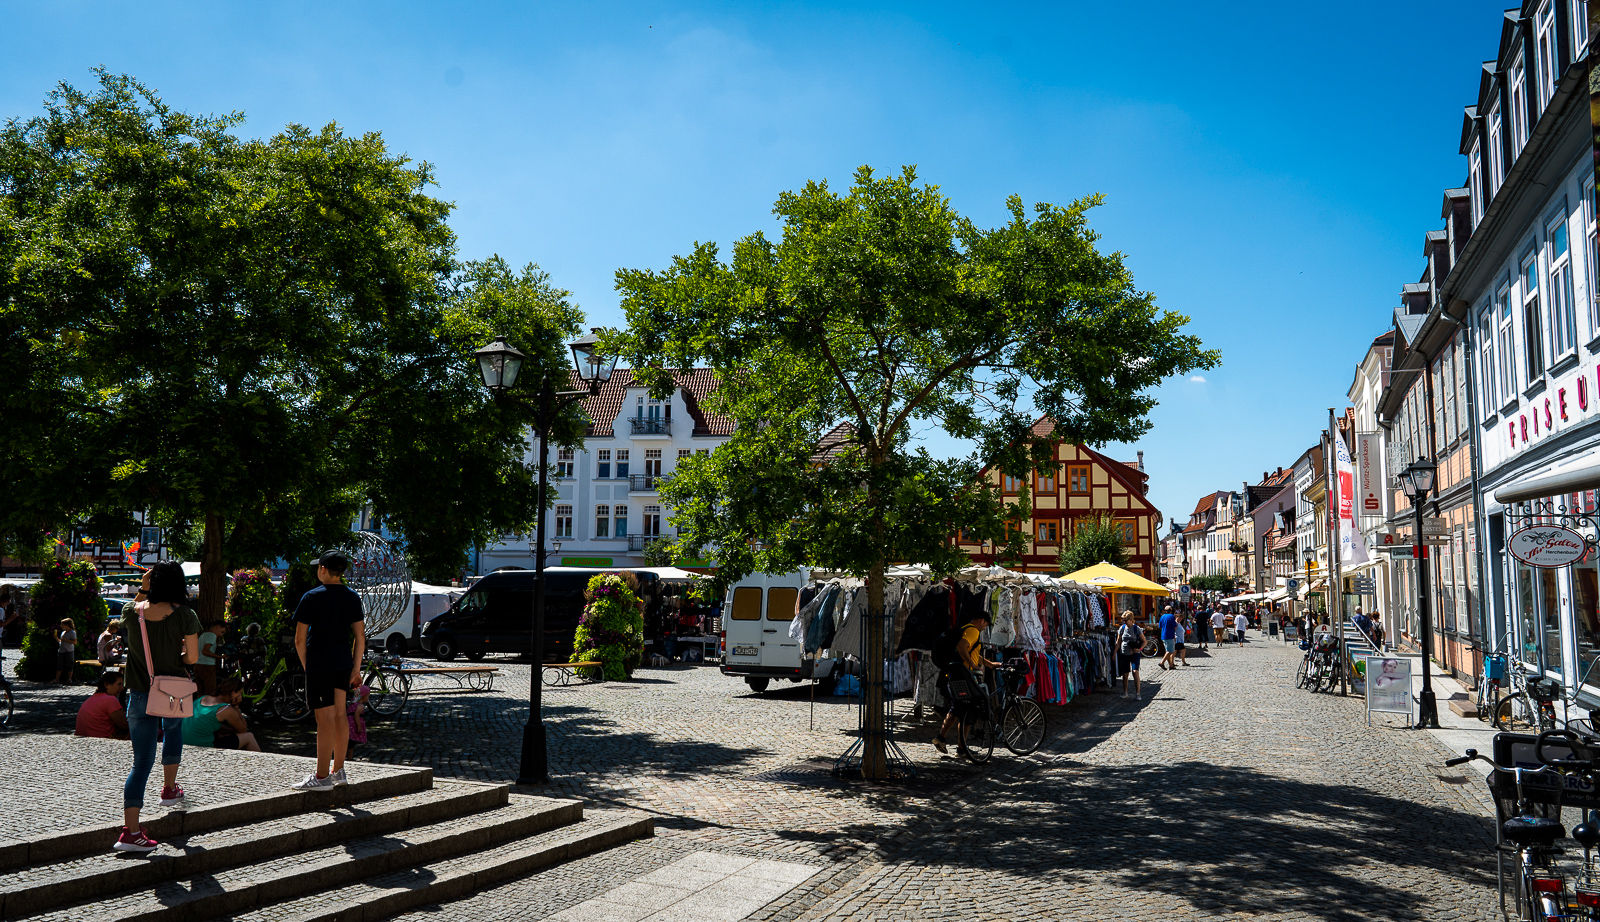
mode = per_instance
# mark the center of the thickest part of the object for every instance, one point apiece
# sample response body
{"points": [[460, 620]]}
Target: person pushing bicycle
{"points": [[958, 654]]}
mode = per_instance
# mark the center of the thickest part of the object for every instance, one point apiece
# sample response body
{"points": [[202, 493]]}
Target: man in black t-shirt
{"points": [[331, 639]]}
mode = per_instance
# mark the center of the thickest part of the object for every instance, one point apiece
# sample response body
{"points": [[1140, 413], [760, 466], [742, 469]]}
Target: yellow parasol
{"points": [[1112, 578]]}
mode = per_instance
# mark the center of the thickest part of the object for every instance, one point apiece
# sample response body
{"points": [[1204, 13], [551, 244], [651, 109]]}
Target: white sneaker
{"points": [[337, 778], [313, 783]]}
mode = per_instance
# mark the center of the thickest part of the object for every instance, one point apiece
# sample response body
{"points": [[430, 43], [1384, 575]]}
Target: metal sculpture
{"points": [[378, 573]]}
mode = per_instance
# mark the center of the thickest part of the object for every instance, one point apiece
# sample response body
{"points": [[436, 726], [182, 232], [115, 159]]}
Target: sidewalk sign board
{"points": [[1388, 686]]}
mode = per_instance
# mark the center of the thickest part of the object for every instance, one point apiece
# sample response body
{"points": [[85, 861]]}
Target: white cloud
{"points": [[1198, 379]]}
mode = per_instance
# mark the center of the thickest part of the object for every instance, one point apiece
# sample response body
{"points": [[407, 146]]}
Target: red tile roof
{"points": [[1279, 544], [696, 384], [833, 442]]}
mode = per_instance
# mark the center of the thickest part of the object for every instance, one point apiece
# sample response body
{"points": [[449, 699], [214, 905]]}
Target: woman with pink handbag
{"points": [[164, 637]]}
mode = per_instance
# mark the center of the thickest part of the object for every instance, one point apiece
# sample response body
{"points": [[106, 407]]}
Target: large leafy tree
{"points": [[249, 338], [1097, 539], [878, 315]]}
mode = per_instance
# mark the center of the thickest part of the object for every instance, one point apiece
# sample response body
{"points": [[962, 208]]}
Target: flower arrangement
{"points": [[611, 630], [66, 589], [252, 599]]}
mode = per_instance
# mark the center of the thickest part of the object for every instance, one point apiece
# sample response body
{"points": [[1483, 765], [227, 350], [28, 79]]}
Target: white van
{"points": [[755, 627]]}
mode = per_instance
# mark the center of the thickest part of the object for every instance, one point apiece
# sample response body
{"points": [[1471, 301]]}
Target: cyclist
{"points": [[958, 653]]}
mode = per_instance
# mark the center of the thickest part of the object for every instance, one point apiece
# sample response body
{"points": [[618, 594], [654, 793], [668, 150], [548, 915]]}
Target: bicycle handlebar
{"points": [[1583, 758]]}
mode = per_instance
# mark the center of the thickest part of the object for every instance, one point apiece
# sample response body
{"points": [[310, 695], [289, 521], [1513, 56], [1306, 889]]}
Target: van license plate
{"points": [[746, 651]]}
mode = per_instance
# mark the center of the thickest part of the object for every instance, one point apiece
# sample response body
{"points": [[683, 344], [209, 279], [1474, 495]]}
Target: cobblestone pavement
{"points": [[1226, 793]]}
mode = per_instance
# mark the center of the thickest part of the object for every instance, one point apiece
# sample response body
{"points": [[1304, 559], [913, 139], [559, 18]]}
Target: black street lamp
{"points": [[1417, 481], [500, 365]]}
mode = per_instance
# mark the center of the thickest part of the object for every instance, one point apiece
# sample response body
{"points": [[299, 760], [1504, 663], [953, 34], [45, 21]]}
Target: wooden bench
{"points": [[565, 673], [478, 678]]}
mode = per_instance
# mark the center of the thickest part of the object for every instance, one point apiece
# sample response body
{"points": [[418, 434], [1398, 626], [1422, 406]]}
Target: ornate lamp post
{"points": [[1417, 481], [500, 364]]}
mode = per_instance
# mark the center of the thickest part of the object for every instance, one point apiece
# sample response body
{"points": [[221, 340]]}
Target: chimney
{"points": [[1141, 460]]}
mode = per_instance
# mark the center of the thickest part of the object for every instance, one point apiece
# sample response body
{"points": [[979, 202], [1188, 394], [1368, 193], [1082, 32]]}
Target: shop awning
{"points": [[1110, 578], [1569, 475], [1277, 595], [1244, 597]]}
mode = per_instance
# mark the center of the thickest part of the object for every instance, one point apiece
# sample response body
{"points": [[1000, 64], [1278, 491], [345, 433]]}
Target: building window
{"points": [[1544, 52], [602, 521], [702, 452], [1010, 484], [564, 462], [1591, 265], [602, 464], [1446, 388], [1129, 529], [620, 513], [1517, 83], [1497, 155], [652, 462], [1563, 314], [1578, 18], [1486, 361], [1047, 532], [1078, 479], [1475, 180], [1507, 344], [622, 464], [1532, 319], [1046, 482], [652, 521], [563, 521], [683, 453]]}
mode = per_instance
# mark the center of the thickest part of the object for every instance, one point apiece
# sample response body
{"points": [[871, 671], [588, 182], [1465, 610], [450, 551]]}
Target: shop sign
{"points": [[1547, 546], [1368, 446], [1388, 683]]}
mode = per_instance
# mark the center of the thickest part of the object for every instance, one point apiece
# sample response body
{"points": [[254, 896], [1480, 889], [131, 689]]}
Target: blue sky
{"points": [[1269, 172]]}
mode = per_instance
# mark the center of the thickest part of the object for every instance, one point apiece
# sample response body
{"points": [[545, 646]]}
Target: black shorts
{"points": [[322, 683], [225, 739]]}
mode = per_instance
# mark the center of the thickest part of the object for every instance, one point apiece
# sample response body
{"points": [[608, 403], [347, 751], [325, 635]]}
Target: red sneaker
{"points": [[172, 796], [134, 840]]}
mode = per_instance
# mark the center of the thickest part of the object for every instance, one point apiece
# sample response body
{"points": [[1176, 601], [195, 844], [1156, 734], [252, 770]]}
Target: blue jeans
{"points": [[142, 730]]}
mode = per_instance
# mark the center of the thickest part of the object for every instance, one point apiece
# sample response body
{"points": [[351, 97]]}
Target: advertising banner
{"points": [[1388, 685], [1352, 547], [1369, 477]]}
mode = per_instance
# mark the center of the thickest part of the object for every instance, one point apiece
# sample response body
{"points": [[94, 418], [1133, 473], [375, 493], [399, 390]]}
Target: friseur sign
{"points": [[1547, 546]]}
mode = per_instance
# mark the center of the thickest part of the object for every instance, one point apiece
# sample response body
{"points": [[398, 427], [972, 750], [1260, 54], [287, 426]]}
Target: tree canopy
{"points": [[250, 337], [878, 315], [1095, 540]]}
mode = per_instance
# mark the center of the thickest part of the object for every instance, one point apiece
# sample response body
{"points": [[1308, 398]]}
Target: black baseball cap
{"points": [[335, 561]]}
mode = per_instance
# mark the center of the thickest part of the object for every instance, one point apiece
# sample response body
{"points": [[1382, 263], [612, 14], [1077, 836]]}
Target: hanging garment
{"points": [[801, 625], [819, 633], [929, 618]]}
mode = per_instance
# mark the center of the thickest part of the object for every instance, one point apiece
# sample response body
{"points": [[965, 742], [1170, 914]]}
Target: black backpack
{"points": [[944, 649]]}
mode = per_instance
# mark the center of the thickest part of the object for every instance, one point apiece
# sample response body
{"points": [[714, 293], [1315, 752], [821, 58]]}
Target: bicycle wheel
{"points": [[1515, 713], [6, 706], [1022, 727], [386, 692], [289, 699], [977, 735], [1302, 675]]}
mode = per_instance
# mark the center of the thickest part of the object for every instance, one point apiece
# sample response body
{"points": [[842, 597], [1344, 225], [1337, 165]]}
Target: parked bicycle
{"points": [[7, 702], [388, 686], [1002, 715], [1539, 889], [1321, 667], [281, 692]]}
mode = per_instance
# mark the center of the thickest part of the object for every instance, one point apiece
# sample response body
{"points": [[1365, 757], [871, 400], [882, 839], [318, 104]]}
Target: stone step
{"points": [[45, 886], [93, 839], [263, 883], [389, 894]]}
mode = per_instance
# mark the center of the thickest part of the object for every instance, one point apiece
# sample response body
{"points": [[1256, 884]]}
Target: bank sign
{"points": [[1547, 546], [1571, 400]]}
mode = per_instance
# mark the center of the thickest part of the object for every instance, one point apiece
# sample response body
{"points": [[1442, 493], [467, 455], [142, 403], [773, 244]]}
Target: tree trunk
{"points": [[213, 578], [874, 743]]}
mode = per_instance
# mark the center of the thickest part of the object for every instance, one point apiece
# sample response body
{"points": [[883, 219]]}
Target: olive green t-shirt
{"points": [[166, 645]]}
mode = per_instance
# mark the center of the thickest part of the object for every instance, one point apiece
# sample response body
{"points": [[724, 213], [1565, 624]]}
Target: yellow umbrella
{"points": [[1115, 579]]}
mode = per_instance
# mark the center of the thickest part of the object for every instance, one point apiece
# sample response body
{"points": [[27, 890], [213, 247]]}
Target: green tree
{"points": [[250, 338], [1096, 540], [611, 630], [1213, 582], [66, 589], [877, 315]]}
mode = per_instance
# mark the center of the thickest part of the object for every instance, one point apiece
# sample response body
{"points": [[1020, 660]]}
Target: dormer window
{"points": [[1475, 181], [1497, 160], [1578, 20], [1517, 85], [1544, 52]]}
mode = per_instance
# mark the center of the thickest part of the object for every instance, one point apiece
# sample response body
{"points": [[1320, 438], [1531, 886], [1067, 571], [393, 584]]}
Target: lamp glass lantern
{"points": [[499, 363], [594, 367], [1417, 479]]}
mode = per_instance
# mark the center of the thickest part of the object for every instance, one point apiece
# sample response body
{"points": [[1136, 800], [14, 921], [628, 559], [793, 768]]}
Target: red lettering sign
{"points": [[1561, 401], [1523, 418], [1511, 433], [1547, 419], [1583, 392]]}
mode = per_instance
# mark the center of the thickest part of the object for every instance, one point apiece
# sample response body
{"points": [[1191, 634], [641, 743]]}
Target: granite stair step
{"points": [[240, 888], [387, 895], [93, 839], [42, 887]]}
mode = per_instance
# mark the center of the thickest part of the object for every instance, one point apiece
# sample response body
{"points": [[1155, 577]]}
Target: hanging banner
{"points": [[1547, 546], [1369, 476], [1352, 547]]}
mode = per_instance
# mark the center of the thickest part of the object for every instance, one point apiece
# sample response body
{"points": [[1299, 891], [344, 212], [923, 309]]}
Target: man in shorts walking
{"points": [[1168, 625], [331, 638]]}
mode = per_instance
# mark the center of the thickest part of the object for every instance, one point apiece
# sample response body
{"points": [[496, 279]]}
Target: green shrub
{"points": [[252, 599], [66, 589], [611, 630]]}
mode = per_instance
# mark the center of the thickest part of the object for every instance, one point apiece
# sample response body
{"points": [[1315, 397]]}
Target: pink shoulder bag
{"points": [[170, 696]]}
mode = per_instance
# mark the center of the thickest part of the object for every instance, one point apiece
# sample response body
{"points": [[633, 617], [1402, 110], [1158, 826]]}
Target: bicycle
{"points": [[1001, 715], [1541, 889], [7, 702], [388, 686], [281, 692]]}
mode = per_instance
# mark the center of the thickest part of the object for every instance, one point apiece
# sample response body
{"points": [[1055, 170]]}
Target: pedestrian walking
{"points": [[958, 654], [1240, 622], [1180, 637], [205, 668], [217, 722], [1130, 643], [331, 639], [1363, 623], [101, 714], [1219, 622], [1167, 626], [66, 650], [1204, 625], [170, 632]]}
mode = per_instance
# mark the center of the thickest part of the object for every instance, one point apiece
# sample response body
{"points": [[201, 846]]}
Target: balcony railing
{"points": [[643, 483], [649, 425]]}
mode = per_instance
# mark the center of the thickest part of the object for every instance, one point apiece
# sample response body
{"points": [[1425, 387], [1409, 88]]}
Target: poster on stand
{"points": [[1388, 686]]}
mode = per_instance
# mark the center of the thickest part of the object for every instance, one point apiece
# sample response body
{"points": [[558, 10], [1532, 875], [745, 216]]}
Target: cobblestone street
{"points": [[1223, 793]]}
